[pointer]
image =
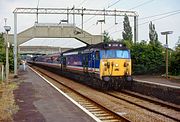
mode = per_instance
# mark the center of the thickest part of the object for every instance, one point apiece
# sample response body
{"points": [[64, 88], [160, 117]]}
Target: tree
{"points": [[177, 48], [127, 33], [2, 49], [3, 53], [175, 59], [153, 36], [106, 36]]}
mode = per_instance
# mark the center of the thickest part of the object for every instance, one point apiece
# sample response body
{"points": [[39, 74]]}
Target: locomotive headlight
{"points": [[116, 65]]}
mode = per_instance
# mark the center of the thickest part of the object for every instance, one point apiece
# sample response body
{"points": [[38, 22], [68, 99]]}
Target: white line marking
{"points": [[73, 101], [157, 84]]}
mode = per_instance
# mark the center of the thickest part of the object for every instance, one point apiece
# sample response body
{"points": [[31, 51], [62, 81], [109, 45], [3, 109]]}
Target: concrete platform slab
{"points": [[39, 102], [158, 80]]}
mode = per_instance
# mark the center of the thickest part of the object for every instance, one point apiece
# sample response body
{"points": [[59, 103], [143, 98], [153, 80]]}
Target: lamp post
{"points": [[166, 46], [101, 21], [7, 28]]}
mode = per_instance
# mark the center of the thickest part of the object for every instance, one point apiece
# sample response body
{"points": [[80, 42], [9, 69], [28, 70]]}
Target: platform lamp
{"points": [[7, 29], [101, 21], [166, 46]]}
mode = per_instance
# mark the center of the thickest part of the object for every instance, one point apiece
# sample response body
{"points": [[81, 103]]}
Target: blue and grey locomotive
{"points": [[105, 65]]}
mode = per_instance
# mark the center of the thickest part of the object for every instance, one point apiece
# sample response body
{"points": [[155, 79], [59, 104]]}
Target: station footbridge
{"points": [[52, 30]]}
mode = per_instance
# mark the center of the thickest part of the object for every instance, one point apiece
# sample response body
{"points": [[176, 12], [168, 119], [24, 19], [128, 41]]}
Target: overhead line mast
{"points": [[37, 12]]}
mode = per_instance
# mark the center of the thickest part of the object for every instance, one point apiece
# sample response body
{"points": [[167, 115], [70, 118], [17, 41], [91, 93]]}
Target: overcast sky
{"points": [[168, 20]]}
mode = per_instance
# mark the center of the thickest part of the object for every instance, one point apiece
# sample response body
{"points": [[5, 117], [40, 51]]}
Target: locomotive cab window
{"points": [[115, 54], [123, 54]]}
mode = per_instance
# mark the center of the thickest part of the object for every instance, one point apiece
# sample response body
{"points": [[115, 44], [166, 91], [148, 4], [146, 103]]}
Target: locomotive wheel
{"points": [[106, 85], [116, 85], [122, 83]]}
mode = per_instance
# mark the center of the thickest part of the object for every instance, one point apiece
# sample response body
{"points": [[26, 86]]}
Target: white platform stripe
{"points": [[76, 103], [160, 84]]}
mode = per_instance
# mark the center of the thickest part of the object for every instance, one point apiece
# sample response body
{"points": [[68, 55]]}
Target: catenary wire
{"points": [[151, 20], [105, 8], [149, 1], [77, 6], [131, 9], [149, 17]]}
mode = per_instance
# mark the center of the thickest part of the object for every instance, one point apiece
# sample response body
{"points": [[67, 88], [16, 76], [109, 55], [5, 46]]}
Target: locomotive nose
{"points": [[114, 68]]}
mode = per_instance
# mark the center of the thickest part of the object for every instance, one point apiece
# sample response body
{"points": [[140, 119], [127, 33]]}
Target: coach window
{"points": [[97, 55]]}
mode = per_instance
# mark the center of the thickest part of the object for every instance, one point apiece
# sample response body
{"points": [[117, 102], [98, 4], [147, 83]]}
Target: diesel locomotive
{"points": [[103, 65]]}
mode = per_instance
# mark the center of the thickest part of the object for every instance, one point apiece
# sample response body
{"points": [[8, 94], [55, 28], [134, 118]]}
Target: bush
{"points": [[147, 58], [175, 63]]}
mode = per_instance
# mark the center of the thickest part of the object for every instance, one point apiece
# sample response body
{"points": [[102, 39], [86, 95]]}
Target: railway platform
{"points": [[157, 87], [39, 102], [158, 80]]}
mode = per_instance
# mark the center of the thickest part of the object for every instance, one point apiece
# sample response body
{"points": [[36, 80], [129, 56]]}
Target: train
{"points": [[105, 65]]}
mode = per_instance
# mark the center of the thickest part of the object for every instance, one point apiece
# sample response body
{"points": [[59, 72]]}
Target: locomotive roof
{"points": [[109, 45], [102, 45]]}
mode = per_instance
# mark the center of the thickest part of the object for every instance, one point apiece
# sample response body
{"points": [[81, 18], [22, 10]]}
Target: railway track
{"points": [[102, 113], [108, 112], [155, 101], [148, 104]]}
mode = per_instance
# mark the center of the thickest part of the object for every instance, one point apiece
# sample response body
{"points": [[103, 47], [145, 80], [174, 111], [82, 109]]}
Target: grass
{"points": [[7, 101]]}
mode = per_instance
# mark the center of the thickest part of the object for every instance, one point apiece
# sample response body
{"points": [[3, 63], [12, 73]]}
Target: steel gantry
{"points": [[71, 11], [77, 11]]}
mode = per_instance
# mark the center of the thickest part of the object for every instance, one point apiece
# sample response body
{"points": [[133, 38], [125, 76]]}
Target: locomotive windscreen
{"points": [[115, 54]]}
